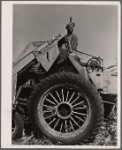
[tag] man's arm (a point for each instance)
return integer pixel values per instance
(74, 42)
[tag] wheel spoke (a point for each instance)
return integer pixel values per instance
(78, 103)
(72, 127)
(50, 101)
(54, 98)
(52, 121)
(61, 127)
(74, 121)
(78, 108)
(75, 99)
(79, 113)
(58, 96)
(62, 95)
(66, 126)
(56, 123)
(71, 97)
(50, 116)
(67, 96)
(79, 118)
(46, 111)
(50, 107)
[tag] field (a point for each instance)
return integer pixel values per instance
(107, 135)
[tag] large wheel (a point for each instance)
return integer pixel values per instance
(17, 126)
(66, 108)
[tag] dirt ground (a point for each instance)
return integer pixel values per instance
(107, 135)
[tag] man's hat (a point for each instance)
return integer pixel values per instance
(70, 24)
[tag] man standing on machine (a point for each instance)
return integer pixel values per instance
(71, 38)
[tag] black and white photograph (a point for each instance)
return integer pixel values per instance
(61, 74)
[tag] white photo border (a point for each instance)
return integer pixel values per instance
(6, 73)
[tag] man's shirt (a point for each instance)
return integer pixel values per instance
(73, 41)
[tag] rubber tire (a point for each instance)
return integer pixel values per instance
(17, 133)
(97, 109)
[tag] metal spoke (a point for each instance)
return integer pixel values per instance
(58, 96)
(75, 99)
(54, 98)
(79, 118)
(52, 121)
(66, 126)
(75, 121)
(48, 106)
(50, 101)
(78, 103)
(46, 111)
(61, 127)
(79, 113)
(72, 127)
(67, 96)
(71, 97)
(78, 108)
(50, 116)
(62, 95)
(56, 123)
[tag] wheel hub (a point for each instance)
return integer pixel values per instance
(64, 110)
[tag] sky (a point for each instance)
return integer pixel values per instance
(95, 26)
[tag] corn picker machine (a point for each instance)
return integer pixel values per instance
(59, 94)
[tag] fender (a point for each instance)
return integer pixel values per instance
(81, 70)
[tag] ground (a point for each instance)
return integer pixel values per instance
(107, 135)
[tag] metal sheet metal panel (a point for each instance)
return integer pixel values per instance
(48, 57)
(105, 81)
(112, 84)
(97, 78)
(42, 46)
(25, 61)
(112, 72)
(32, 46)
(78, 67)
(100, 80)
